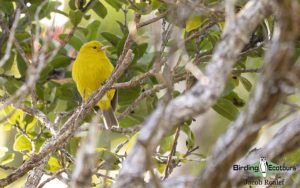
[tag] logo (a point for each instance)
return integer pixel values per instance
(264, 168)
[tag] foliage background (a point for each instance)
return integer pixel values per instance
(173, 39)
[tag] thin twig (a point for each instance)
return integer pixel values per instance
(152, 20)
(40, 116)
(54, 176)
(4, 167)
(168, 168)
(142, 96)
(11, 38)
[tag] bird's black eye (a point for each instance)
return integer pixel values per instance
(95, 47)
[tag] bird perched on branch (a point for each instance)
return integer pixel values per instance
(90, 69)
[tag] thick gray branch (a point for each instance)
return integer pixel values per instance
(268, 93)
(287, 139)
(196, 101)
(86, 159)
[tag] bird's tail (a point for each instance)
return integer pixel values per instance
(110, 118)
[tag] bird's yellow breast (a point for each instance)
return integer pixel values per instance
(89, 71)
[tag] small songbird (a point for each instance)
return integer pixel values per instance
(90, 69)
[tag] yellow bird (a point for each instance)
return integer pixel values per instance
(90, 69)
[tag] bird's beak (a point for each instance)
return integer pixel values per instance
(104, 47)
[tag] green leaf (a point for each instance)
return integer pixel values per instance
(7, 158)
(129, 121)
(100, 9)
(193, 22)
(235, 99)
(9, 63)
(230, 85)
(22, 144)
(155, 4)
(246, 83)
(17, 115)
(109, 160)
(46, 9)
(116, 4)
(53, 164)
(75, 16)
(160, 166)
(131, 142)
(206, 45)
(22, 66)
(41, 140)
(127, 96)
(61, 13)
(3, 151)
(65, 92)
(225, 108)
(293, 157)
(190, 141)
(253, 62)
(72, 5)
(22, 35)
(166, 144)
(142, 8)
(7, 7)
(93, 29)
(73, 145)
(12, 85)
(139, 50)
(28, 123)
(75, 42)
(60, 61)
(113, 39)
(120, 45)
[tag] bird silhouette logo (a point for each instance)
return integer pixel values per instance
(263, 166)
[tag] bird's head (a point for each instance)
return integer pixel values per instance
(93, 47)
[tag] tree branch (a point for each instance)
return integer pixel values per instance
(196, 101)
(268, 94)
(69, 127)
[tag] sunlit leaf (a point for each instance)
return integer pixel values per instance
(15, 115)
(7, 158)
(22, 144)
(193, 22)
(53, 164)
(3, 151)
(28, 123)
(155, 4)
(131, 142)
